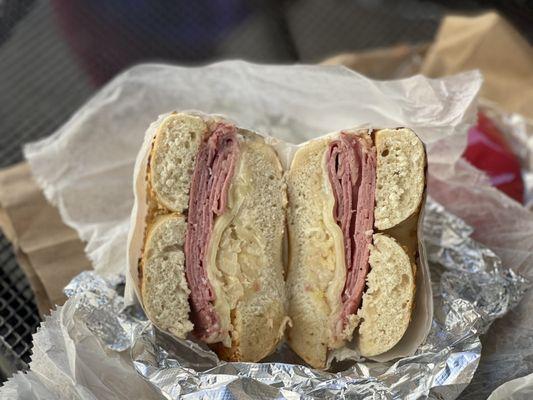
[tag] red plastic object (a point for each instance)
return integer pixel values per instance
(488, 151)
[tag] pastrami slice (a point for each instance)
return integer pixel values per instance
(213, 171)
(364, 221)
(351, 164)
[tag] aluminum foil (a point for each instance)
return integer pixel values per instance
(99, 304)
(471, 289)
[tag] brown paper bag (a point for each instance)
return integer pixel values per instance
(395, 62)
(486, 42)
(489, 43)
(49, 252)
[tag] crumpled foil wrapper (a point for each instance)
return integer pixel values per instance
(471, 289)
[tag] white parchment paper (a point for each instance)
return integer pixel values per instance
(86, 167)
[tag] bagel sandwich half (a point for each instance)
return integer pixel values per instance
(354, 203)
(210, 222)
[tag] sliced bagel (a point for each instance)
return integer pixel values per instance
(246, 265)
(166, 300)
(344, 189)
(400, 179)
(242, 249)
(361, 187)
(389, 297)
(175, 147)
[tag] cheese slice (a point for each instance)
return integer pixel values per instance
(336, 284)
(223, 267)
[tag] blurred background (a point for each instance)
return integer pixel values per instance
(55, 54)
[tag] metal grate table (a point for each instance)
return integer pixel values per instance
(18, 313)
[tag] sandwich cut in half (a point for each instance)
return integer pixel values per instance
(354, 201)
(209, 224)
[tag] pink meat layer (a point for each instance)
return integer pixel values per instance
(351, 163)
(213, 171)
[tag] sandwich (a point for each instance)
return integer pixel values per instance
(354, 203)
(208, 235)
(216, 220)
